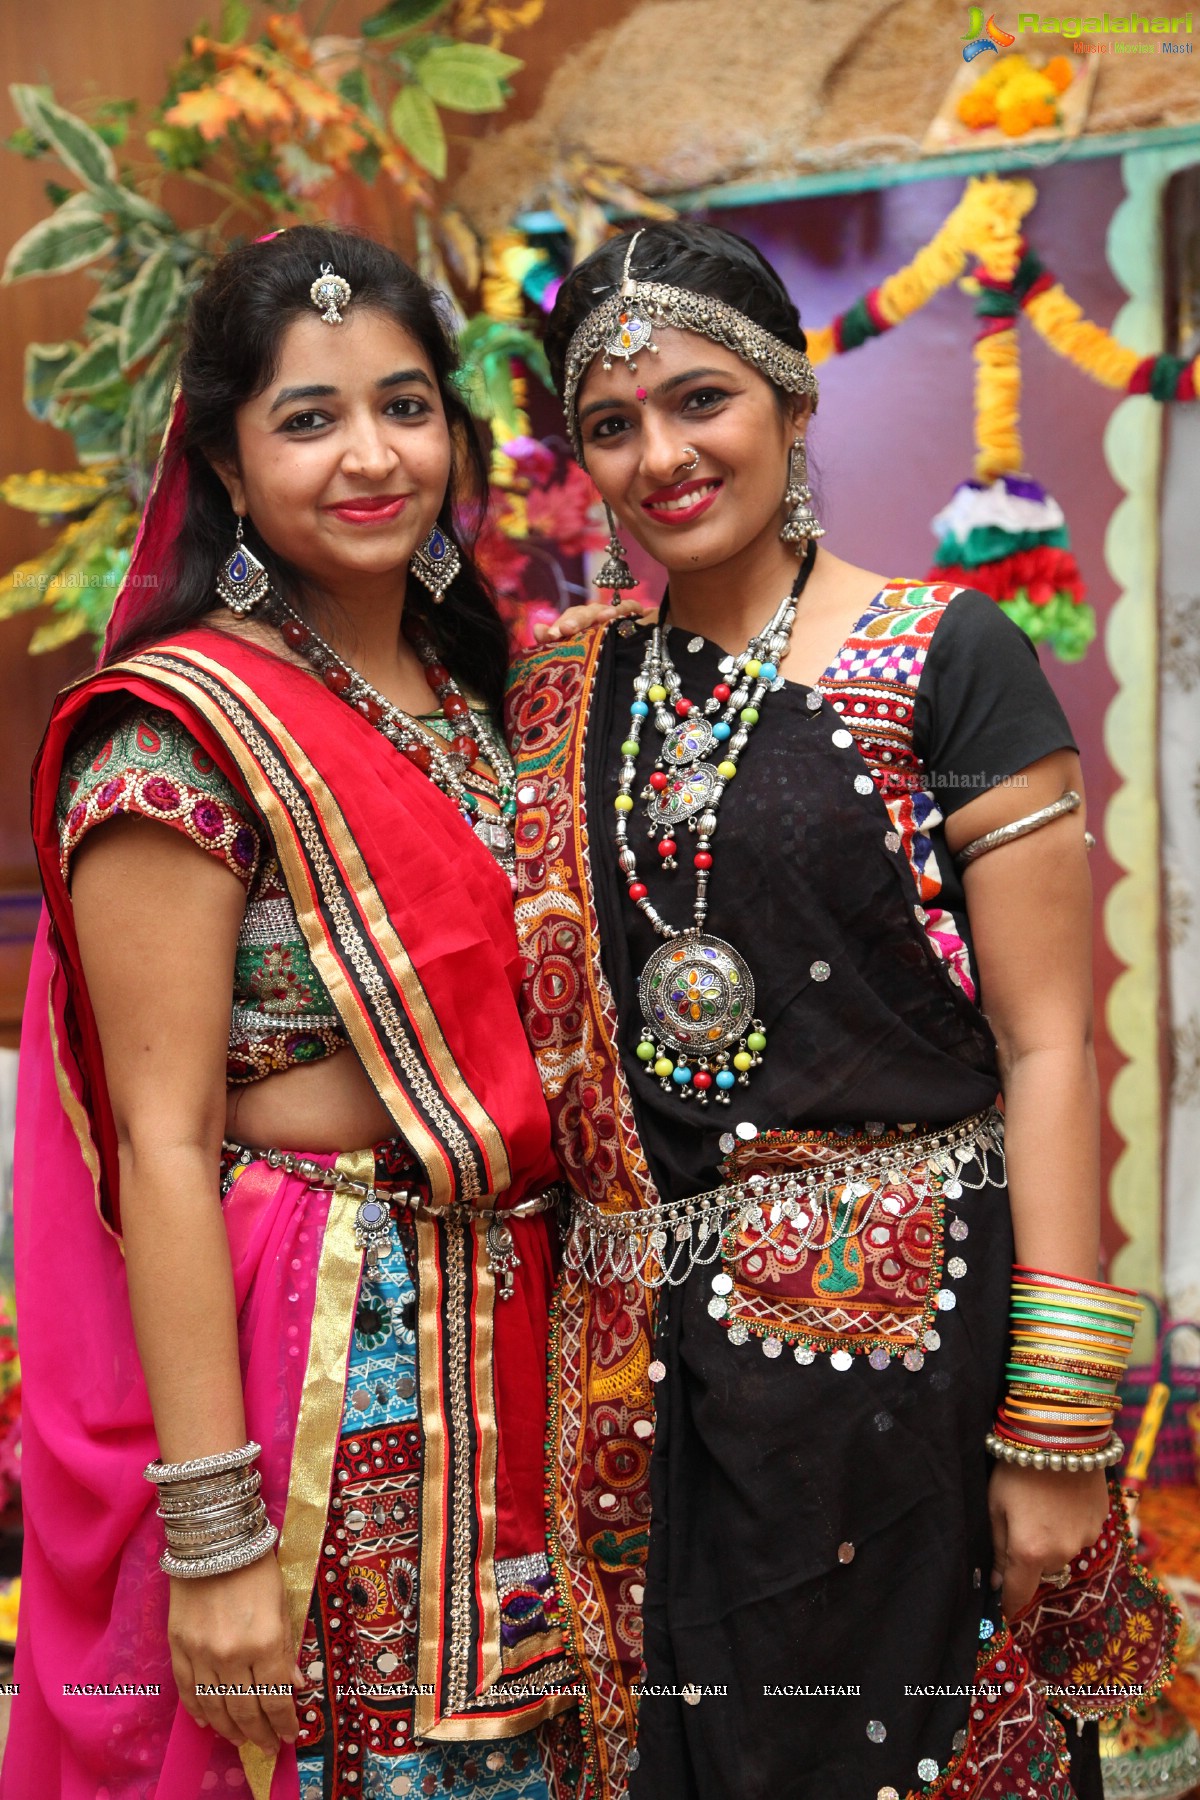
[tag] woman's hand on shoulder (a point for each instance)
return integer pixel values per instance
(231, 1632)
(578, 619)
(1040, 1522)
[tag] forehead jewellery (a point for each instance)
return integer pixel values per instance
(701, 1038)
(329, 292)
(622, 326)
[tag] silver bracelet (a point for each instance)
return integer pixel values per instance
(1005, 834)
(176, 1503)
(223, 1563)
(224, 1460)
(1072, 1462)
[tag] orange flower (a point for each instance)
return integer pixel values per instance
(314, 102)
(336, 143)
(209, 110)
(256, 100)
(287, 36)
(977, 110)
(1060, 73)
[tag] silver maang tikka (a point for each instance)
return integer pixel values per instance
(329, 292)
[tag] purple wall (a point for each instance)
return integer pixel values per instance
(893, 434)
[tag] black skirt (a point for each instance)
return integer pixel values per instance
(820, 1553)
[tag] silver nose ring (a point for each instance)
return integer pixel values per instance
(695, 462)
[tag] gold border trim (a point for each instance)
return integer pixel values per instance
(318, 1423)
(424, 1021)
(435, 1499)
(74, 1109)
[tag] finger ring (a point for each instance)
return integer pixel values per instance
(1058, 1578)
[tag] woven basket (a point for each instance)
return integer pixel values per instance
(1176, 1458)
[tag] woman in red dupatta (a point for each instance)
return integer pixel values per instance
(374, 1318)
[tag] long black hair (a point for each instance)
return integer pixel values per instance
(235, 329)
(683, 253)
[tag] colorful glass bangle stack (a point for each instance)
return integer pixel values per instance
(1070, 1346)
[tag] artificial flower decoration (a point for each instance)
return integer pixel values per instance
(1015, 97)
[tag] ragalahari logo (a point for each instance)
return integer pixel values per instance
(981, 37)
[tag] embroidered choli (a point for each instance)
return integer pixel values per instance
(145, 763)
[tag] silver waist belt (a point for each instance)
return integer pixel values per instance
(816, 1206)
(373, 1221)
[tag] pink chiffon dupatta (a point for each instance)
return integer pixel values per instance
(98, 1715)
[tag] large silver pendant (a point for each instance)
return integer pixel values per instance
(685, 794)
(697, 995)
(688, 743)
(495, 836)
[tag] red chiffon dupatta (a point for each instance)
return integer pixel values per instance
(409, 922)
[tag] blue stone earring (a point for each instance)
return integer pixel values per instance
(436, 563)
(243, 581)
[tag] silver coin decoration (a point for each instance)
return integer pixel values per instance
(952, 1190)
(841, 1360)
(843, 738)
(738, 1333)
(722, 1283)
(772, 1347)
(728, 1142)
(879, 1358)
(932, 1339)
(958, 1230)
(914, 1360)
(718, 1306)
(946, 1300)
(863, 784)
(694, 644)
(956, 1268)
(746, 1131)
(804, 1355)
(876, 1730)
(820, 971)
(927, 1769)
(813, 701)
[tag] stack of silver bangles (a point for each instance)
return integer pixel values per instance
(659, 1245)
(213, 1517)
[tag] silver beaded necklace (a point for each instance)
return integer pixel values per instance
(696, 992)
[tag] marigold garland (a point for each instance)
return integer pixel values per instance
(1031, 574)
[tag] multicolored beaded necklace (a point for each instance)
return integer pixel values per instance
(446, 768)
(696, 992)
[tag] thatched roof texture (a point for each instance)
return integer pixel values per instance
(692, 93)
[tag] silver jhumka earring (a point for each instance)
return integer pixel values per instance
(329, 292)
(436, 563)
(614, 572)
(242, 582)
(801, 522)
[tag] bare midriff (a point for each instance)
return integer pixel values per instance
(326, 1105)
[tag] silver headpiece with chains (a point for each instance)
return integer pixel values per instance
(623, 326)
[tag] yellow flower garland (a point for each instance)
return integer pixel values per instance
(1057, 318)
(986, 226)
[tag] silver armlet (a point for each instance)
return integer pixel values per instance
(1005, 834)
